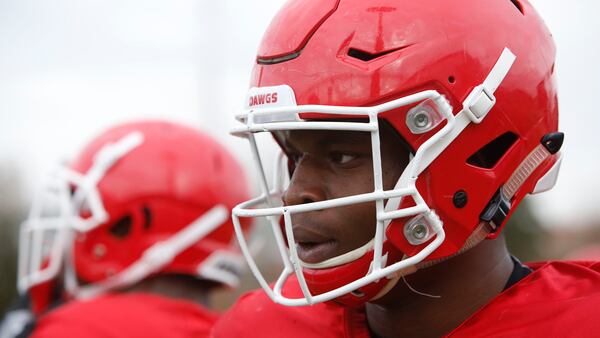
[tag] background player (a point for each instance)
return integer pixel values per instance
(137, 230)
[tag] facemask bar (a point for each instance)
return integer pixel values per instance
(475, 108)
(292, 263)
(37, 266)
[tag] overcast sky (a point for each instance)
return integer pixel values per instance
(69, 69)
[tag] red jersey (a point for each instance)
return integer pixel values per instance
(558, 299)
(129, 315)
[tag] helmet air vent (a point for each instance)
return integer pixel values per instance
(518, 5)
(147, 217)
(276, 60)
(122, 227)
(491, 153)
(366, 56)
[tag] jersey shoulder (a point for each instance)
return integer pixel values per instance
(556, 299)
(126, 315)
(256, 315)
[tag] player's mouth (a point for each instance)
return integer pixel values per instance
(314, 247)
(311, 252)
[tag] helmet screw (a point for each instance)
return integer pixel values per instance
(99, 250)
(421, 120)
(419, 231)
(460, 199)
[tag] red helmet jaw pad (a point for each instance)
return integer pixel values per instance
(323, 280)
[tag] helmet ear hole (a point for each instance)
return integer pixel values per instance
(122, 227)
(491, 153)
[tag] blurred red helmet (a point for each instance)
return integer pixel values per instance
(469, 85)
(146, 198)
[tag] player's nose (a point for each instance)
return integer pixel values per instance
(305, 185)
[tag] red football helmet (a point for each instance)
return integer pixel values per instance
(469, 85)
(142, 199)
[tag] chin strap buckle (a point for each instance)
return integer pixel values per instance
(496, 211)
(481, 99)
(479, 102)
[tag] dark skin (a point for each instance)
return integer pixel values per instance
(333, 164)
(328, 165)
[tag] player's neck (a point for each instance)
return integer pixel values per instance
(177, 287)
(465, 283)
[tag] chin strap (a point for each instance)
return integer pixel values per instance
(341, 259)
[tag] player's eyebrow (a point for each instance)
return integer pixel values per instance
(345, 137)
(326, 139)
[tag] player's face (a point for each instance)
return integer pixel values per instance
(332, 164)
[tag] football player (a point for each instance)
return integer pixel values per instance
(411, 132)
(131, 238)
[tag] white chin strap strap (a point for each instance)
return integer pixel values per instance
(341, 259)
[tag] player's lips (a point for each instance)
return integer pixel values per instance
(311, 252)
(313, 246)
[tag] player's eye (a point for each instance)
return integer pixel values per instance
(342, 158)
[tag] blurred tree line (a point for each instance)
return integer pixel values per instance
(525, 237)
(529, 241)
(12, 212)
